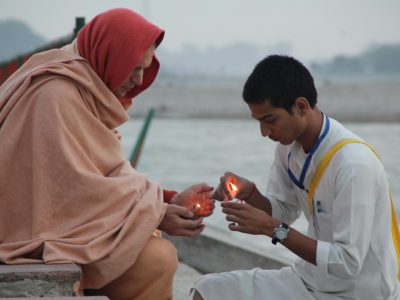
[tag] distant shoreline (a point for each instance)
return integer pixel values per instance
(346, 101)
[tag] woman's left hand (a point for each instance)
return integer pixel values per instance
(196, 195)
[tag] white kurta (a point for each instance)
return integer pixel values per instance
(356, 258)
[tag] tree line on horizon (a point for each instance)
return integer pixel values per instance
(377, 59)
(233, 60)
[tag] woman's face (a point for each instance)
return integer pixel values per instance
(136, 75)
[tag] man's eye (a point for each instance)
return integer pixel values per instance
(270, 121)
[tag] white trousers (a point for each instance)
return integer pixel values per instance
(257, 284)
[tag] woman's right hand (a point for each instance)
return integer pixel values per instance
(178, 221)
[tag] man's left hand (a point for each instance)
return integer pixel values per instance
(248, 219)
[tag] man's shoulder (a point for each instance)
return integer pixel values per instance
(338, 131)
(353, 155)
(357, 157)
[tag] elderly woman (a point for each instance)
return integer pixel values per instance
(67, 192)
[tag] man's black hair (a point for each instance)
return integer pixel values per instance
(280, 80)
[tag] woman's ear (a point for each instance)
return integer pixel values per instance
(301, 105)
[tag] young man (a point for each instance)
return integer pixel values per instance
(348, 251)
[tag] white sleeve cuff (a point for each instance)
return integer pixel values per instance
(276, 209)
(322, 259)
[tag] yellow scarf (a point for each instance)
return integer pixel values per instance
(320, 172)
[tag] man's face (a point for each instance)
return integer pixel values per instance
(136, 76)
(277, 123)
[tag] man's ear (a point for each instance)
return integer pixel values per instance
(301, 105)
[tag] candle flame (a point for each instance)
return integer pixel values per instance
(198, 205)
(233, 189)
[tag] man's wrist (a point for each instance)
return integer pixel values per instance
(252, 190)
(269, 229)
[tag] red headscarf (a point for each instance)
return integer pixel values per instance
(114, 43)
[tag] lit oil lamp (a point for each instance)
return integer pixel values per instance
(198, 211)
(196, 208)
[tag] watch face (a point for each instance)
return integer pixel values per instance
(281, 233)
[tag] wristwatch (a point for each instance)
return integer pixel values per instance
(280, 233)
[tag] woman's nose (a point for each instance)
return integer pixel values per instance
(137, 78)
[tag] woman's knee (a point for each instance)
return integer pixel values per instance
(161, 254)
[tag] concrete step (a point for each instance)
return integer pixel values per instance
(61, 298)
(215, 251)
(38, 280)
(56, 281)
(183, 281)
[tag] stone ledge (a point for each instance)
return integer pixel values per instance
(38, 280)
(213, 251)
(63, 298)
(40, 271)
(184, 278)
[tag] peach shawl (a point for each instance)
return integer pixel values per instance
(66, 191)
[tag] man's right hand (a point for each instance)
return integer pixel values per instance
(224, 192)
(178, 221)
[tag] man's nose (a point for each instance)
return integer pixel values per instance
(265, 131)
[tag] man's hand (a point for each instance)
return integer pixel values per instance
(196, 194)
(248, 219)
(178, 220)
(224, 191)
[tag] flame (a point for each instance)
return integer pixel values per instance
(196, 208)
(233, 189)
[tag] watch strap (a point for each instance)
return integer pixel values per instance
(275, 240)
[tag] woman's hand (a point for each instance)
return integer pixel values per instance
(196, 198)
(178, 221)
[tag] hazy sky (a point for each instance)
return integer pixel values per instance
(314, 29)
